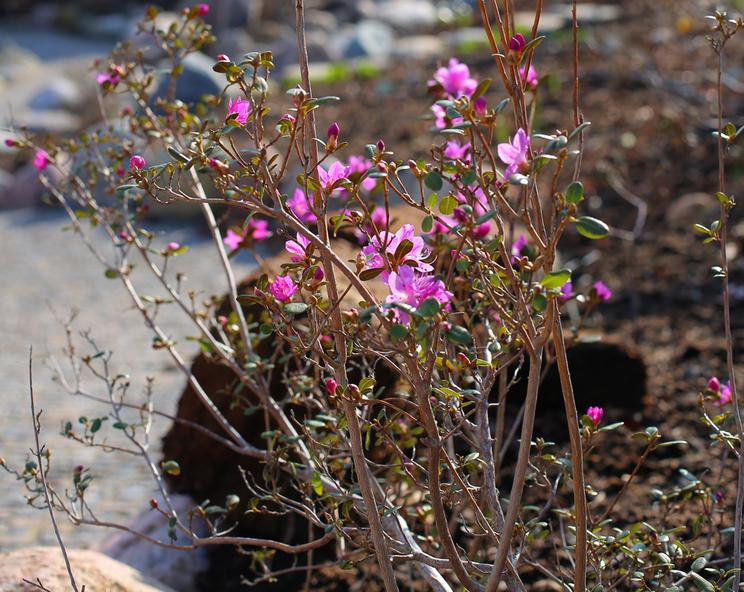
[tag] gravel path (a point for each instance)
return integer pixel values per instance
(45, 274)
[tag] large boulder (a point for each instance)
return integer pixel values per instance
(93, 569)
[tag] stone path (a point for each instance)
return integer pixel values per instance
(42, 270)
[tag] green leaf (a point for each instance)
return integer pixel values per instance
(433, 181)
(427, 224)
(369, 274)
(540, 303)
(367, 384)
(579, 129)
(469, 178)
(429, 307)
(119, 425)
(555, 279)
(398, 332)
(111, 273)
(172, 467)
(448, 205)
(591, 227)
(575, 192)
(459, 335)
(177, 155)
(701, 583)
(95, 425)
(295, 308)
(317, 483)
(481, 89)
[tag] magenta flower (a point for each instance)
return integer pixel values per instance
(724, 391)
(595, 414)
(410, 287)
(517, 42)
(331, 385)
(41, 160)
(241, 108)
(455, 79)
(103, 78)
(174, 246)
(514, 153)
(517, 247)
(297, 248)
(479, 106)
(566, 292)
(531, 76)
(283, 288)
(360, 165)
(603, 292)
(335, 172)
(9, 142)
(300, 206)
(455, 151)
(373, 258)
(441, 120)
(202, 9)
(232, 239)
(379, 218)
(137, 162)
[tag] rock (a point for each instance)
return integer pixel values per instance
(177, 569)
(59, 94)
(403, 15)
(369, 39)
(93, 569)
(16, 61)
(418, 47)
(321, 20)
(23, 189)
(198, 79)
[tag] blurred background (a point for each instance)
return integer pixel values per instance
(650, 169)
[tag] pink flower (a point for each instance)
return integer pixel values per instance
(41, 160)
(255, 230)
(566, 292)
(241, 108)
(137, 162)
(530, 78)
(232, 239)
(595, 414)
(517, 42)
(724, 391)
(514, 153)
(300, 206)
(297, 248)
(517, 247)
(441, 120)
(103, 78)
(174, 246)
(283, 288)
(335, 172)
(410, 287)
(603, 292)
(379, 218)
(455, 151)
(202, 9)
(223, 57)
(331, 385)
(455, 79)
(389, 243)
(360, 165)
(479, 106)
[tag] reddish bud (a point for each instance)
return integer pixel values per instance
(318, 274)
(333, 131)
(223, 58)
(137, 162)
(714, 384)
(331, 385)
(381, 145)
(154, 504)
(9, 143)
(202, 9)
(517, 43)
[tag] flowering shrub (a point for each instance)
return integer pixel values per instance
(454, 302)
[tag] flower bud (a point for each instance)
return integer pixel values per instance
(331, 385)
(154, 504)
(479, 106)
(202, 9)
(137, 162)
(318, 274)
(173, 246)
(333, 131)
(223, 57)
(9, 143)
(714, 384)
(381, 145)
(517, 43)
